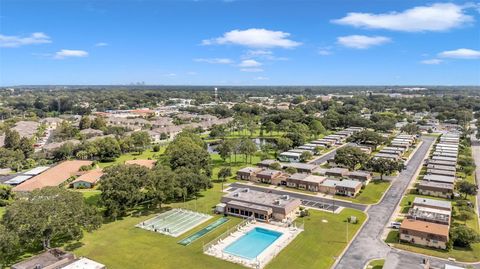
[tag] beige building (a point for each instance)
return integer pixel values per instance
(263, 206)
(424, 233)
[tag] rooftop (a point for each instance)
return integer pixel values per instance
(53, 176)
(427, 202)
(259, 197)
(91, 176)
(425, 227)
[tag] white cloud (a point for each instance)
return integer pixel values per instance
(262, 54)
(251, 70)
(254, 38)
(461, 54)
(214, 60)
(361, 41)
(261, 78)
(432, 61)
(17, 41)
(64, 53)
(325, 51)
(170, 75)
(250, 63)
(101, 44)
(435, 17)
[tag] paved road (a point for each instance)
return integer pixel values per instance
(398, 259)
(304, 197)
(476, 157)
(368, 245)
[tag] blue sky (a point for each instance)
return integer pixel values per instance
(328, 42)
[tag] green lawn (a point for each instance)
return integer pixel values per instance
(132, 156)
(372, 193)
(321, 242)
(91, 196)
(376, 264)
(315, 247)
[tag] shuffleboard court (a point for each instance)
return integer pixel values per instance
(212, 226)
(174, 222)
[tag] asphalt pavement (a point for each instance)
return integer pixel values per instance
(368, 243)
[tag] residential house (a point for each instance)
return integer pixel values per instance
(424, 233)
(87, 180)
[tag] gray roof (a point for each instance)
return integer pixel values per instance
(259, 197)
(427, 202)
(438, 178)
(424, 183)
(17, 180)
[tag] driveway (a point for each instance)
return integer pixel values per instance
(368, 245)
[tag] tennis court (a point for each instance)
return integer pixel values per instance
(174, 222)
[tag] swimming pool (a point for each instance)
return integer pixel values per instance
(253, 243)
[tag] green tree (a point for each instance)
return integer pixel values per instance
(247, 148)
(50, 215)
(160, 186)
(26, 146)
(467, 188)
(367, 137)
(384, 166)
(225, 149)
(99, 123)
(350, 157)
(85, 123)
(108, 149)
(410, 129)
(188, 150)
(316, 128)
(291, 170)
(284, 144)
(10, 248)
(141, 140)
(224, 173)
(123, 188)
(275, 166)
(305, 156)
(463, 236)
(270, 127)
(12, 139)
(64, 152)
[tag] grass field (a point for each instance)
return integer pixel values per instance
(316, 247)
(372, 193)
(132, 156)
(376, 264)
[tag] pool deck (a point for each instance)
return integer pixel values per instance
(288, 234)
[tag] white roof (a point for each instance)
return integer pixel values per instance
(37, 170)
(17, 180)
(84, 263)
(290, 154)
